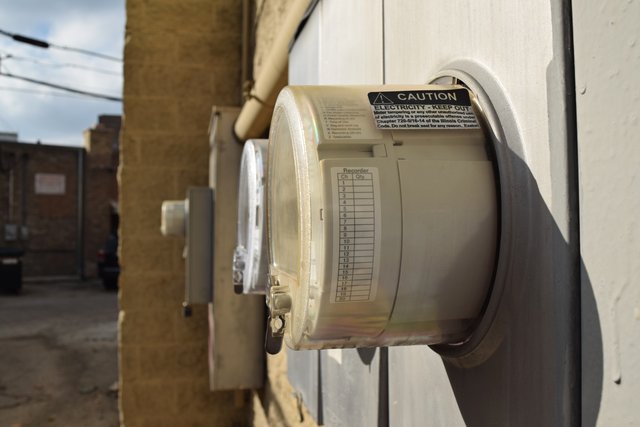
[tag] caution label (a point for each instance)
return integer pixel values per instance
(423, 109)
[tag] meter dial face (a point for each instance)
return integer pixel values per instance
(250, 256)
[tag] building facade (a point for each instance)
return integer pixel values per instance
(59, 203)
(559, 348)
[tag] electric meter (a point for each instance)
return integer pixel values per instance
(382, 215)
(250, 257)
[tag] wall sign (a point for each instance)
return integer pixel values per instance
(50, 183)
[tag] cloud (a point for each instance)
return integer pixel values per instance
(88, 24)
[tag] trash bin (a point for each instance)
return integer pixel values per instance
(10, 269)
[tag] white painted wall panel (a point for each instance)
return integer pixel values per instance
(350, 42)
(512, 38)
(340, 44)
(303, 369)
(304, 57)
(516, 50)
(411, 401)
(607, 61)
(351, 388)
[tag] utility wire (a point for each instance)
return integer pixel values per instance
(65, 88)
(7, 55)
(46, 45)
(3, 65)
(45, 92)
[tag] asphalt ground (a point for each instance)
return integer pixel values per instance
(58, 356)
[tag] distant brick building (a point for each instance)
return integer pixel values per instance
(58, 203)
(39, 206)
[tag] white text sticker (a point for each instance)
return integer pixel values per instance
(344, 119)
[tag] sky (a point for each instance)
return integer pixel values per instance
(39, 113)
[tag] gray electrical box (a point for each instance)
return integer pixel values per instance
(193, 219)
(206, 218)
(199, 246)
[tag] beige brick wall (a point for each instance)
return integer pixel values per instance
(181, 57)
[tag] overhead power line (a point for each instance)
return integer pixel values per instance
(46, 92)
(11, 56)
(65, 88)
(46, 45)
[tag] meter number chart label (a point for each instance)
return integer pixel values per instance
(356, 235)
(423, 109)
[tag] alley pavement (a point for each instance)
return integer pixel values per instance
(58, 356)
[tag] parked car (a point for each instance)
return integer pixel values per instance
(108, 264)
(10, 269)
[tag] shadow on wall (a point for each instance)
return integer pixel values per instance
(366, 355)
(535, 375)
(592, 372)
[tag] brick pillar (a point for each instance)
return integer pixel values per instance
(101, 190)
(181, 57)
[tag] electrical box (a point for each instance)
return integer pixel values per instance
(193, 218)
(250, 265)
(383, 215)
(235, 323)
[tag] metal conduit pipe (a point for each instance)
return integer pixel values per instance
(256, 112)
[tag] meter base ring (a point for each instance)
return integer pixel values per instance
(488, 332)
